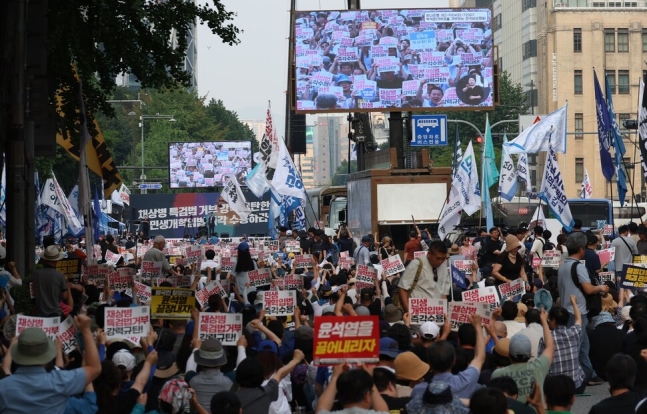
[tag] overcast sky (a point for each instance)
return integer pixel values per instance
(249, 74)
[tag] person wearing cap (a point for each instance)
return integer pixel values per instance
(430, 333)
(576, 245)
(567, 345)
(361, 253)
(155, 254)
(510, 265)
(210, 356)
(426, 277)
(31, 388)
(355, 391)
(345, 82)
(533, 330)
(523, 370)
(442, 357)
(50, 285)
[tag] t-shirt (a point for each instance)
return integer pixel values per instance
(538, 247)
(524, 373)
(620, 404)
(606, 341)
(48, 285)
(508, 269)
(567, 288)
(156, 255)
(124, 402)
(397, 405)
(257, 400)
(410, 247)
(632, 347)
(592, 262)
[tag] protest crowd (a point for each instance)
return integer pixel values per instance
(494, 324)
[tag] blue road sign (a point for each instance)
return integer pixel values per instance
(429, 130)
(150, 186)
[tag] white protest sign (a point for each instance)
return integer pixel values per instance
(279, 303)
(48, 325)
(151, 269)
(486, 294)
(464, 266)
(66, 334)
(292, 246)
(427, 310)
(227, 264)
(118, 282)
(606, 277)
(193, 254)
(226, 327)
(418, 254)
(410, 88)
(127, 322)
(551, 258)
(293, 282)
(365, 277)
(512, 289)
(303, 261)
(143, 292)
(461, 313)
(112, 257)
(260, 277)
(392, 265)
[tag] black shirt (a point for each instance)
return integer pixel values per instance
(606, 341)
(490, 247)
(345, 245)
(508, 269)
(620, 404)
(396, 404)
(632, 347)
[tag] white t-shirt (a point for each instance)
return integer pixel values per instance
(538, 246)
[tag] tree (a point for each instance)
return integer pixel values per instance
(341, 173)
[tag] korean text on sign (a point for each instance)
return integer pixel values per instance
(392, 265)
(279, 303)
(464, 266)
(293, 282)
(634, 276)
(365, 277)
(144, 292)
(127, 322)
(607, 277)
(48, 325)
(151, 270)
(226, 327)
(486, 294)
(427, 310)
(303, 261)
(551, 258)
(461, 313)
(66, 334)
(352, 339)
(69, 267)
(172, 303)
(512, 289)
(213, 288)
(260, 277)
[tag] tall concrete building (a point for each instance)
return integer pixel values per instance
(330, 141)
(306, 162)
(256, 125)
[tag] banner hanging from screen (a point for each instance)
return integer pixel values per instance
(371, 60)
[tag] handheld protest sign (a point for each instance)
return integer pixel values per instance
(226, 327)
(427, 310)
(47, 325)
(293, 282)
(303, 261)
(279, 303)
(365, 277)
(127, 322)
(486, 295)
(461, 313)
(144, 292)
(172, 303)
(607, 277)
(392, 265)
(464, 266)
(67, 335)
(512, 289)
(151, 270)
(551, 258)
(260, 277)
(213, 288)
(633, 276)
(354, 339)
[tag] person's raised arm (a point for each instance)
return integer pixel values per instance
(327, 398)
(144, 374)
(257, 324)
(479, 349)
(283, 372)
(549, 341)
(576, 312)
(93, 363)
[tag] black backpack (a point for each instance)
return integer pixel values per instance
(548, 246)
(594, 301)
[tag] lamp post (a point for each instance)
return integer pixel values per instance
(170, 118)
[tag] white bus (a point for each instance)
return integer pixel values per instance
(623, 214)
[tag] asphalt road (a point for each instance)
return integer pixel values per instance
(584, 403)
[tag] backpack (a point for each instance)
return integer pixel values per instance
(594, 301)
(548, 246)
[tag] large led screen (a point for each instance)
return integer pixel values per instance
(204, 164)
(372, 60)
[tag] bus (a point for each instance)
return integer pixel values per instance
(323, 207)
(592, 211)
(623, 214)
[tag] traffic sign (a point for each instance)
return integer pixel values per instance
(150, 186)
(429, 130)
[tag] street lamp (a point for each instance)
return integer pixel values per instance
(170, 118)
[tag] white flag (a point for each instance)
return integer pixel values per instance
(451, 214)
(552, 128)
(522, 171)
(234, 196)
(507, 177)
(538, 218)
(124, 194)
(54, 197)
(586, 191)
(257, 181)
(467, 182)
(552, 191)
(115, 197)
(287, 181)
(73, 199)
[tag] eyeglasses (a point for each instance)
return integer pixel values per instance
(435, 273)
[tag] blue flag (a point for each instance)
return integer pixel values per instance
(604, 123)
(618, 144)
(458, 278)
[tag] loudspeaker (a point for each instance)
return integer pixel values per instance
(297, 133)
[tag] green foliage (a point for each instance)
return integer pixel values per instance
(341, 173)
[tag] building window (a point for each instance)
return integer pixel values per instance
(577, 40)
(644, 38)
(577, 82)
(529, 49)
(528, 4)
(609, 40)
(579, 126)
(610, 76)
(579, 170)
(496, 23)
(622, 118)
(623, 40)
(623, 82)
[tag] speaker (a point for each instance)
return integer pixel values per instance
(297, 133)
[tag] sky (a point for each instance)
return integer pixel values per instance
(246, 76)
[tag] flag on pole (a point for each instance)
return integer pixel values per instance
(91, 221)
(615, 138)
(489, 161)
(450, 217)
(96, 218)
(552, 191)
(458, 278)
(604, 124)
(537, 137)
(73, 199)
(286, 180)
(508, 177)
(458, 153)
(467, 181)
(642, 125)
(233, 195)
(586, 190)
(522, 171)
(538, 218)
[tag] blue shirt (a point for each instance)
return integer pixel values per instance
(84, 405)
(50, 395)
(462, 385)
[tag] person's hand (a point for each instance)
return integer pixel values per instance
(194, 400)
(573, 300)
(496, 314)
(142, 399)
(534, 398)
(604, 288)
(152, 358)
(82, 323)
(196, 343)
(102, 337)
(643, 354)
(343, 290)
(338, 369)
(242, 341)
(256, 324)
(544, 316)
(151, 338)
(11, 266)
(477, 321)
(406, 318)
(298, 355)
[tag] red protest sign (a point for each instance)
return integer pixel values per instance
(365, 277)
(392, 265)
(226, 327)
(427, 310)
(353, 339)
